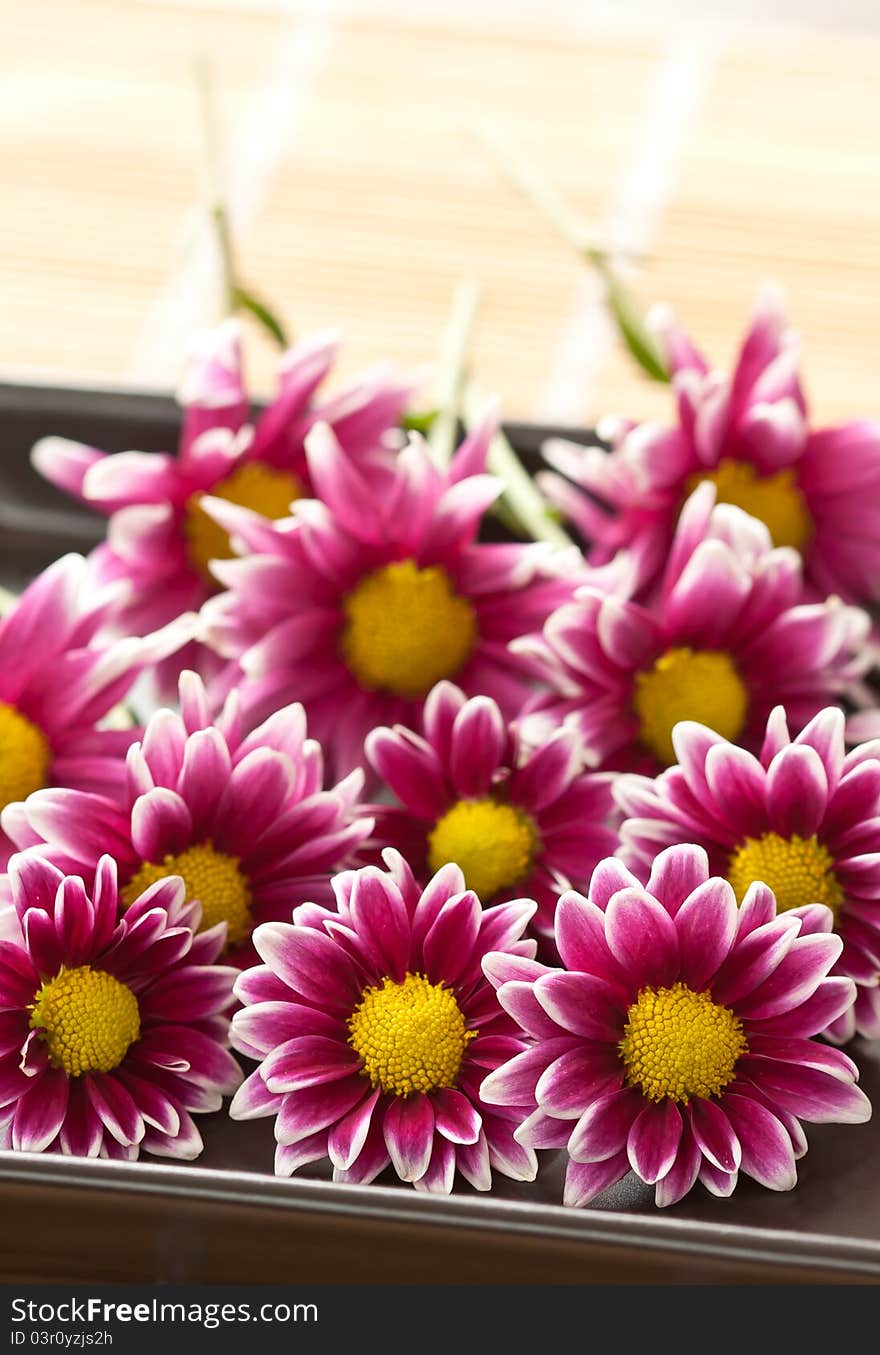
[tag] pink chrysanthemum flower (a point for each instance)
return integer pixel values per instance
(375, 1028)
(159, 536)
(518, 824)
(243, 820)
(727, 640)
(113, 1030)
(677, 1040)
(377, 590)
(817, 491)
(804, 818)
(58, 685)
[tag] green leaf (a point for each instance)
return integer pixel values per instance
(247, 301)
(630, 322)
(419, 421)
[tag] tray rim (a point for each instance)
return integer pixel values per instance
(776, 1248)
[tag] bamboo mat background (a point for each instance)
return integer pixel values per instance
(729, 153)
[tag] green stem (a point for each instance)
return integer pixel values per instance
(453, 371)
(574, 230)
(522, 506)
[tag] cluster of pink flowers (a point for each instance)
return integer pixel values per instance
(449, 852)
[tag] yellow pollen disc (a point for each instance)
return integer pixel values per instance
(678, 1043)
(24, 756)
(405, 629)
(251, 485)
(688, 684)
(411, 1035)
(493, 843)
(799, 870)
(775, 499)
(88, 1019)
(209, 876)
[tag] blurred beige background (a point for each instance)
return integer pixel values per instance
(729, 149)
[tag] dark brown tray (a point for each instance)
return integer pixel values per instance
(227, 1219)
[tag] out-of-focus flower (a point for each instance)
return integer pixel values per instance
(517, 823)
(375, 1028)
(816, 491)
(244, 821)
(113, 1030)
(376, 590)
(159, 536)
(58, 685)
(804, 818)
(728, 639)
(677, 1041)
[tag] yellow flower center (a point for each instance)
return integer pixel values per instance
(209, 876)
(252, 485)
(493, 843)
(405, 629)
(24, 756)
(411, 1035)
(688, 684)
(88, 1019)
(678, 1043)
(775, 499)
(799, 870)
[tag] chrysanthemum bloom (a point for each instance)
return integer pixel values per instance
(244, 821)
(804, 818)
(374, 592)
(677, 1040)
(375, 1028)
(159, 537)
(727, 640)
(113, 1030)
(518, 824)
(817, 491)
(58, 684)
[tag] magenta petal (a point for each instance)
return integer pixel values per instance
(478, 738)
(767, 1153)
(408, 1127)
(82, 1132)
(305, 1112)
(580, 938)
(682, 1174)
(347, 1138)
(797, 791)
(609, 877)
(809, 1093)
(439, 1175)
(798, 974)
(642, 938)
(714, 1135)
(676, 873)
(40, 1112)
(585, 1180)
(603, 1129)
(513, 1084)
(116, 1108)
(381, 921)
(472, 1160)
(449, 944)
(308, 1062)
(582, 1004)
(309, 962)
(706, 926)
(576, 1077)
(456, 1117)
(653, 1140)
(161, 825)
(253, 1099)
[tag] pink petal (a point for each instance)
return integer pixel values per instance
(714, 1135)
(408, 1127)
(642, 938)
(653, 1140)
(585, 1180)
(603, 1129)
(767, 1154)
